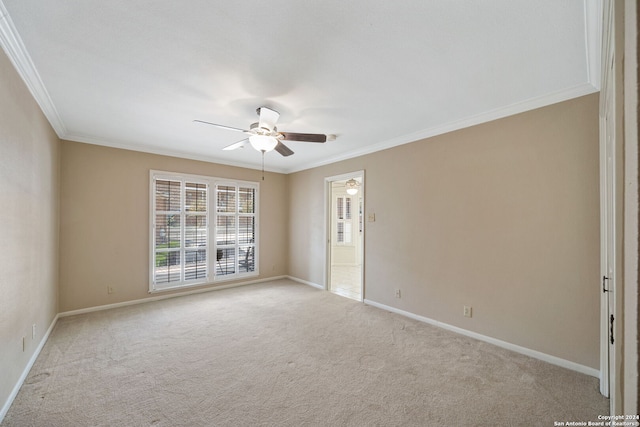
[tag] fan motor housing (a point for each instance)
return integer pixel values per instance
(255, 127)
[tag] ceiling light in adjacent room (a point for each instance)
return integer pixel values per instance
(352, 186)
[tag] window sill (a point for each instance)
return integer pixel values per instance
(216, 280)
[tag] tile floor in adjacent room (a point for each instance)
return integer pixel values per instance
(345, 281)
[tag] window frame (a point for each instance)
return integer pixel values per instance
(237, 215)
(211, 220)
(344, 218)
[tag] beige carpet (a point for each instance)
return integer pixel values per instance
(285, 354)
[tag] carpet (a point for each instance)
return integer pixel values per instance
(286, 354)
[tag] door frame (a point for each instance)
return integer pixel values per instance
(611, 204)
(630, 402)
(607, 208)
(328, 181)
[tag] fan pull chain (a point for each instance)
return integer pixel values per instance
(262, 164)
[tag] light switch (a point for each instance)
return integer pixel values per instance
(372, 217)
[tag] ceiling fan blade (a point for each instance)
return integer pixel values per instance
(304, 137)
(236, 145)
(222, 126)
(268, 118)
(283, 149)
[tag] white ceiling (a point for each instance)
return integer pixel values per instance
(134, 74)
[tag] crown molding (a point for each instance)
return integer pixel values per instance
(166, 152)
(593, 14)
(488, 116)
(13, 46)
(16, 51)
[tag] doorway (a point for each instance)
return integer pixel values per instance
(345, 235)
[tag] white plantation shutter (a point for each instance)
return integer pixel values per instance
(236, 223)
(179, 230)
(198, 236)
(167, 232)
(343, 223)
(196, 231)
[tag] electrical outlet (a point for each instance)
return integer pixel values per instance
(467, 311)
(24, 345)
(398, 294)
(33, 332)
(109, 290)
(372, 217)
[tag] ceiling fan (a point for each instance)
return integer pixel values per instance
(264, 136)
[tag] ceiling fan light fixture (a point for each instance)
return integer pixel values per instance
(352, 186)
(264, 135)
(263, 142)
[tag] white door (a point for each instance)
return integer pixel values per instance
(608, 270)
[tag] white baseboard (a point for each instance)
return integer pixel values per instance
(25, 372)
(518, 349)
(304, 282)
(167, 296)
(16, 388)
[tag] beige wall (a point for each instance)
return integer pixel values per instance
(105, 215)
(29, 170)
(503, 217)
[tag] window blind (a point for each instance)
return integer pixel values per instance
(197, 236)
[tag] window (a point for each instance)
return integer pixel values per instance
(189, 224)
(343, 224)
(235, 229)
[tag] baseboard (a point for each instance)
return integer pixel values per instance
(167, 296)
(27, 368)
(16, 388)
(518, 349)
(304, 282)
